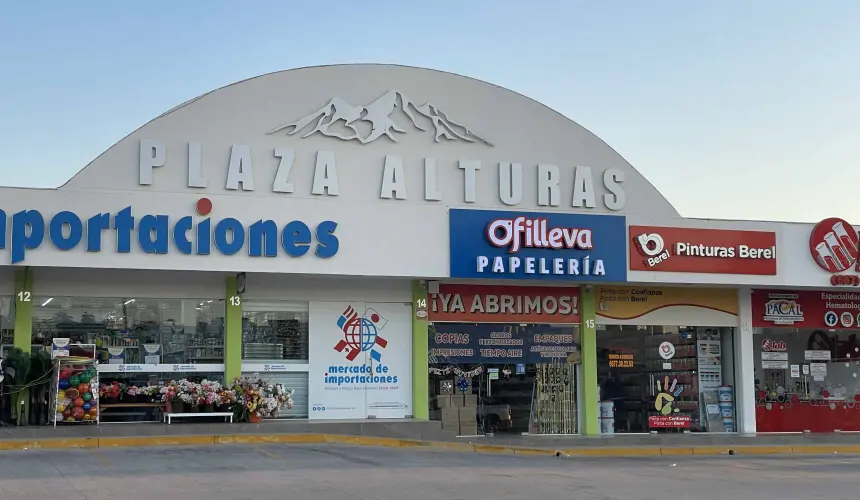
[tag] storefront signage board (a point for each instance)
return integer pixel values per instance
(360, 362)
(832, 309)
(458, 343)
(161, 368)
(494, 244)
(504, 304)
(631, 302)
(699, 250)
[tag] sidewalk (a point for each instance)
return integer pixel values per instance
(412, 434)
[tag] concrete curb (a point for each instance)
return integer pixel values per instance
(582, 451)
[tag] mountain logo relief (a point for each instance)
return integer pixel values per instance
(341, 119)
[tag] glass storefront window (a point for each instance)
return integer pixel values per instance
(7, 323)
(275, 331)
(275, 340)
(130, 330)
(807, 380)
(665, 379)
(504, 378)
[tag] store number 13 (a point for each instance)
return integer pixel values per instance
(235, 300)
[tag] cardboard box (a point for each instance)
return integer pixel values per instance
(467, 414)
(444, 401)
(464, 400)
(447, 386)
(468, 428)
(451, 414)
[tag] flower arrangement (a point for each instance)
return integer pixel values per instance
(259, 398)
(110, 391)
(133, 391)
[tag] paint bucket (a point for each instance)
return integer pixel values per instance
(727, 410)
(729, 424)
(725, 394)
(607, 425)
(607, 409)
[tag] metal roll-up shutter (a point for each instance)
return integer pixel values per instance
(298, 383)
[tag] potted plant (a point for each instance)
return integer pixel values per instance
(226, 400)
(132, 394)
(109, 393)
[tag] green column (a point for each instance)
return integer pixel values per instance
(232, 331)
(420, 360)
(23, 338)
(590, 425)
(23, 309)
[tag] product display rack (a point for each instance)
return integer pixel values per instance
(75, 403)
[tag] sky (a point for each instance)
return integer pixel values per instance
(735, 109)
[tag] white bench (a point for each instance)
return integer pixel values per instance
(228, 415)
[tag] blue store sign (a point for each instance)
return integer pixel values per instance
(469, 343)
(537, 246)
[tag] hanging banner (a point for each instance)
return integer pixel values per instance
(630, 302)
(457, 343)
(505, 304)
(805, 309)
(360, 362)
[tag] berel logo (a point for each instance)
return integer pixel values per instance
(768, 345)
(652, 246)
(520, 232)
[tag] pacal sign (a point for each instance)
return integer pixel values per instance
(537, 246)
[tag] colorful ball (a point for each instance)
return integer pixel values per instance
(87, 396)
(86, 406)
(74, 380)
(61, 408)
(59, 417)
(67, 413)
(78, 402)
(64, 384)
(94, 411)
(83, 387)
(78, 413)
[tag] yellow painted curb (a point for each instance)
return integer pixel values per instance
(535, 451)
(634, 451)
(125, 442)
(270, 438)
(612, 452)
(492, 448)
(676, 450)
(762, 450)
(824, 449)
(711, 450)
(48, 444)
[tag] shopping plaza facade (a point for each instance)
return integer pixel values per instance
(500, 258)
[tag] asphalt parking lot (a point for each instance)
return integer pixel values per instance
(331, 472)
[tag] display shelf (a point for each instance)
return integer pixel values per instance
(74, 391)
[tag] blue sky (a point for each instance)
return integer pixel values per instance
(733, 109)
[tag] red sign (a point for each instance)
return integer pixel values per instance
(768, 345)
(669, 421)
(695, 250)
(805, 309)
(505, 304)
(834, 246)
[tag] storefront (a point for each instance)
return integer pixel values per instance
(387, 258)
(665, 359)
